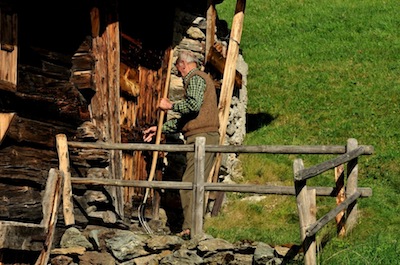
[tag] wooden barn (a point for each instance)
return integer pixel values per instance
(94, 71)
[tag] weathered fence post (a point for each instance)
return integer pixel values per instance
(63, 156)
(198, 186)
(305, 215)
(351, 188)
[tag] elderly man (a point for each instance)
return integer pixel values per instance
(199, 118)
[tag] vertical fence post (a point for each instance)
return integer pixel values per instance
(305, 215)
(63, 157)
(351, 188)
(198, 186)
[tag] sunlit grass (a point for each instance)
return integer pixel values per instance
(324, 71)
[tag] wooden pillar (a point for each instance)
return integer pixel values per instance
(351, 187)
(198, 187)
(305, 215)
(105, 104)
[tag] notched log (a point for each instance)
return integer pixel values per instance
(36, 133)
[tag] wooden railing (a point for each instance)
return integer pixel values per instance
(305, 195)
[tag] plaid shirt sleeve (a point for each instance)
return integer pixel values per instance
(192, 102)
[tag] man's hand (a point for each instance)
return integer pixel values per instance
(165, 104)
(149, 133)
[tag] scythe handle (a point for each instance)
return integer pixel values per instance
(160, 123)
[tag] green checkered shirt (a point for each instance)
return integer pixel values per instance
(191, 103)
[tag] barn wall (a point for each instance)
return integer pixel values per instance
(95, 79)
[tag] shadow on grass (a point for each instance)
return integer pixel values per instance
(255, 121)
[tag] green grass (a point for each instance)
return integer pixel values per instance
(325, 71)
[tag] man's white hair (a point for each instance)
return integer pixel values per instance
(187, 56)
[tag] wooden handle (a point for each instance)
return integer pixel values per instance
(160, 123)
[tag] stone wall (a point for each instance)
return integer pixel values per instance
(101, 245)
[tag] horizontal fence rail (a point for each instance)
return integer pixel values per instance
(264, 149)
(245, 188)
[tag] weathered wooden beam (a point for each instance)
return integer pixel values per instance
(21, 236)
(59, 102)
(23, 164)
(24, 130)
(15, 199)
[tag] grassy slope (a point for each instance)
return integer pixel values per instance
(324, 71)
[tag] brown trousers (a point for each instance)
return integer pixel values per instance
(212, 138)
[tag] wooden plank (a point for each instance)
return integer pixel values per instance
(51, 201)
(51, 197)
(63, 156)
(5, 121)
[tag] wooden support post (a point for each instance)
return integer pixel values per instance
(51, 202)
(351, 188)
(63, 156)
(198, 186)
(228, 81)
(303, 207)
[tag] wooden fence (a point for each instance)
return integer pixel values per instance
(306, 202)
